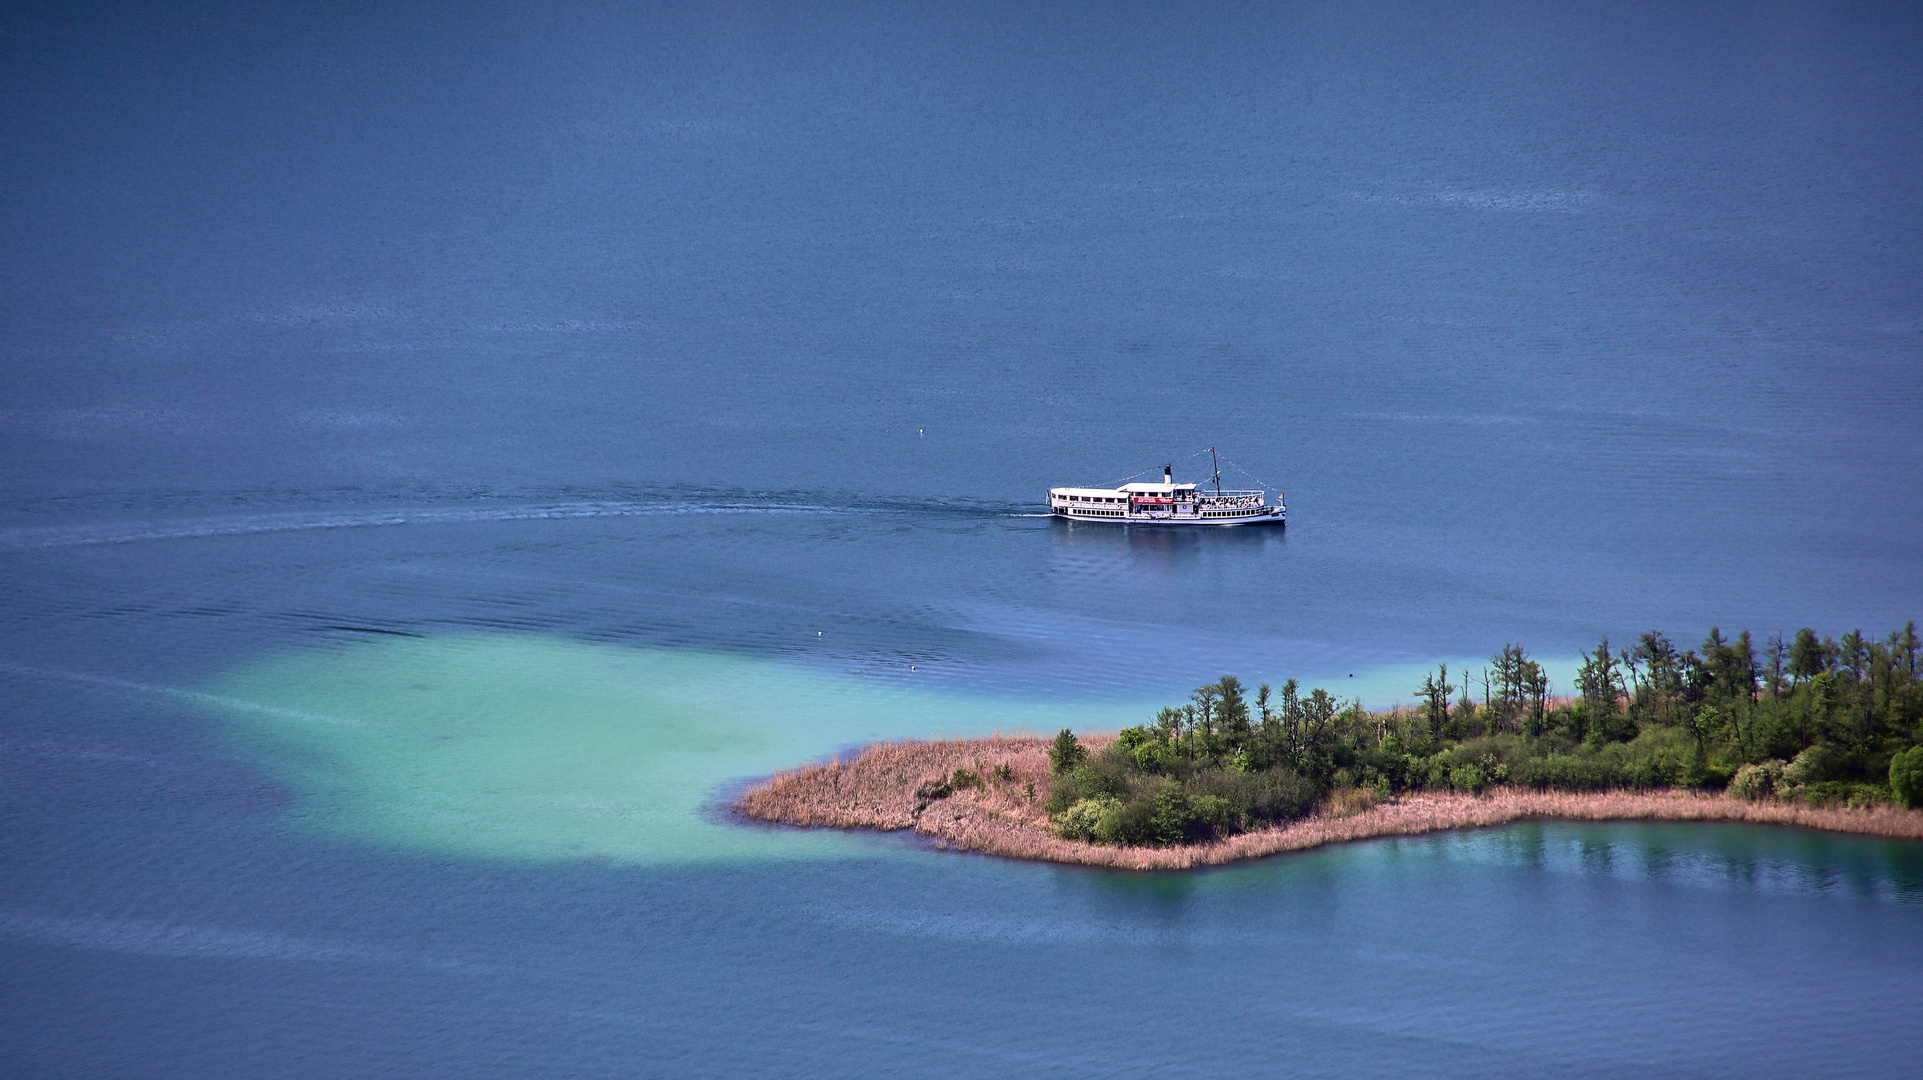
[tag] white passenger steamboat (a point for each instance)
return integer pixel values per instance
(1169, 503)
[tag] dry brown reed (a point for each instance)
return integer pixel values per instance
(879, 790)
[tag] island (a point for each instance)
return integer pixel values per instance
(1816, 732)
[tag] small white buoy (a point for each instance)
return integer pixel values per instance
(817, 633)
(911, 667)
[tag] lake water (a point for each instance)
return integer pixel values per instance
(446, 455)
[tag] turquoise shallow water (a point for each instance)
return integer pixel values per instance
(530, 748)
(445, 454)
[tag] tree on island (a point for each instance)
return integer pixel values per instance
(1906, 776)
(1600, 682)
(1435, 691)
(1066, 753)
(1819, 721)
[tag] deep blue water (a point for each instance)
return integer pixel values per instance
(393, 400)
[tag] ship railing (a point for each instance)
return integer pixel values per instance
(1210, 495)
(1230, 498)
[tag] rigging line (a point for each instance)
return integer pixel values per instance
(1126, 479)
(1254, 479)
(1247, 473)
(1192, 457)
(1150, 469)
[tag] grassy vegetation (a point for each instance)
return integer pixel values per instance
(1816, 721)
(909, 785)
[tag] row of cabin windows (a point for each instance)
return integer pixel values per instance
(1205, 513)
(1180, 497)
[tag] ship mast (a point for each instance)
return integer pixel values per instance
(1218, 472)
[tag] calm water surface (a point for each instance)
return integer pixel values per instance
(445, 456)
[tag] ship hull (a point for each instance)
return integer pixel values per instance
(1272, 515)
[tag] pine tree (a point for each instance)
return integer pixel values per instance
(1066, 753)
(1435, 691)
(1601, 685)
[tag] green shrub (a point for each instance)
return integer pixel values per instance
(1254, 798)
(1845, 793)
(1566, 772)
(1078, 822)
(1064, 795)
(1281, 795)
(1468, 778)
(1212, 814)
(1661, 769)
(1164, 815)
(1103, 777)
(1757, 781)
(1132, 822)
(1906, 777)
(1154, 756)
(1002, 773)
(1816, 764)
(1657, 758)
(1174, 820)
(965, 778)
(1703, 773)
(1094, 779)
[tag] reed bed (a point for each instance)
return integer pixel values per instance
(879, 789)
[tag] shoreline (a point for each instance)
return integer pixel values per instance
(891, 786)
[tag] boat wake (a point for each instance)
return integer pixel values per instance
(196, 696)
(18, 539)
